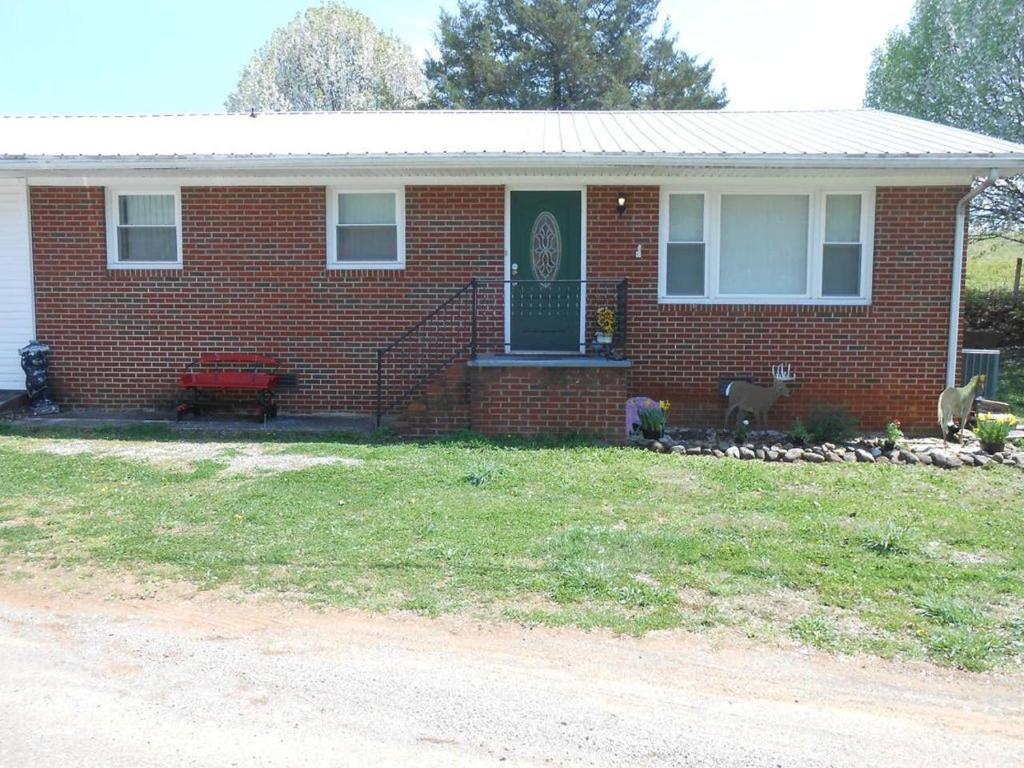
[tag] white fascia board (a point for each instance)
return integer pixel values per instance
(977, 164)
(521, 179)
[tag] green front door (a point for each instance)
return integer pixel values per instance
(544, 256)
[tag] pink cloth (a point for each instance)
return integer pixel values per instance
(633, 407)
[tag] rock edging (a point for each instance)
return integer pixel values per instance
(767, 448)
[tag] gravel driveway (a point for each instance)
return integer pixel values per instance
(177, 678)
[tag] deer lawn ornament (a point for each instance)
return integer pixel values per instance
(956, 403)
(757, 400)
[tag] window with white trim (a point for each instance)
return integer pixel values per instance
(842, 247)
(685, 248)
(765, 246)
(366, 229)
(144, 228)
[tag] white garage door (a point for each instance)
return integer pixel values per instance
(16, 318)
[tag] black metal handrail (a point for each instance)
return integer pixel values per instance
(382, 407)
(470, 345)
(429, 316)
(621, 287)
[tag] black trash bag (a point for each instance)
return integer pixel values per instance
(35, 363)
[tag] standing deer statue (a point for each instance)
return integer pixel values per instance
(757, 400)
(956, 403)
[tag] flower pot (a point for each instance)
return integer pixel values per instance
(991, 448)
(653, 434)
(603, 338)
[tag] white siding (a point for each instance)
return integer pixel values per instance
(17, 325)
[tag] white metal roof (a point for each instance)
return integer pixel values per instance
(841, 138)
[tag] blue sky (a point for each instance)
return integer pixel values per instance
(112, 56)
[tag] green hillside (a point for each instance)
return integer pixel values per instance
(991, 263)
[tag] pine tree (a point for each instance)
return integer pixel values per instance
(564, 54)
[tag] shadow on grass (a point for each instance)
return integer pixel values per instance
(152, 432)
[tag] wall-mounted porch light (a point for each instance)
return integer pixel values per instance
(620, 203)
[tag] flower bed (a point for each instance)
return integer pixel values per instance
(870, 449)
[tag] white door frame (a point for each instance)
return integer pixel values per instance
(542, 187)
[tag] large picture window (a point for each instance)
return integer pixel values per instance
(765, 246)
(143, 229)
(365, 229)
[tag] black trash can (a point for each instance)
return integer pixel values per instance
(35, 362)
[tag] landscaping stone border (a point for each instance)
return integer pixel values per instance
(777, 447)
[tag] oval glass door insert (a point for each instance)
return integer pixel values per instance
(545, 247)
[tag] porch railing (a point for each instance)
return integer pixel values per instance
(473, 321)
(533, 302)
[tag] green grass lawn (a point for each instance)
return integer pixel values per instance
(991, 264)
(897, 561)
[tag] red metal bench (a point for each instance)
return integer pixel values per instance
(224, 372)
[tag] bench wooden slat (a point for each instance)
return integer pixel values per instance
(220, 358)
(229, 380)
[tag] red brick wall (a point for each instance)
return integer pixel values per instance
(254, 279)
(883, 361)
(440, 407)
(540, 401)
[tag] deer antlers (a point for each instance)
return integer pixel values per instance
(782, 372)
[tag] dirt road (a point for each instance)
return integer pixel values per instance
(178, 678)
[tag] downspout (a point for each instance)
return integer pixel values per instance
(958, 273)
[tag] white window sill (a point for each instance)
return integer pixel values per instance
(365, 265)
(767, 301)
(144, 265)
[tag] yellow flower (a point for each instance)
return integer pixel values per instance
(1006, 418)
(664, 405)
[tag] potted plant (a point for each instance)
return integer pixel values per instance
(993, 429)
(606, 324)
(652, 420)
(893, 435)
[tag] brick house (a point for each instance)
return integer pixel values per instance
(445, 268)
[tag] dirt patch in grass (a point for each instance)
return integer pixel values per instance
(672, 478)
(763, 614)
(526, 605)
(937, 550)
(255, 459)
(775, 606)
(238, 458)
(751, 521)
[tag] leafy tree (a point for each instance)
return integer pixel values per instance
(961, 63)
(329, 58)
(564, 54)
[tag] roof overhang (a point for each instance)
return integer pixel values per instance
(499, 142)
(472, 164)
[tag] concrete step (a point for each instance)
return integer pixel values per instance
(12, 399)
